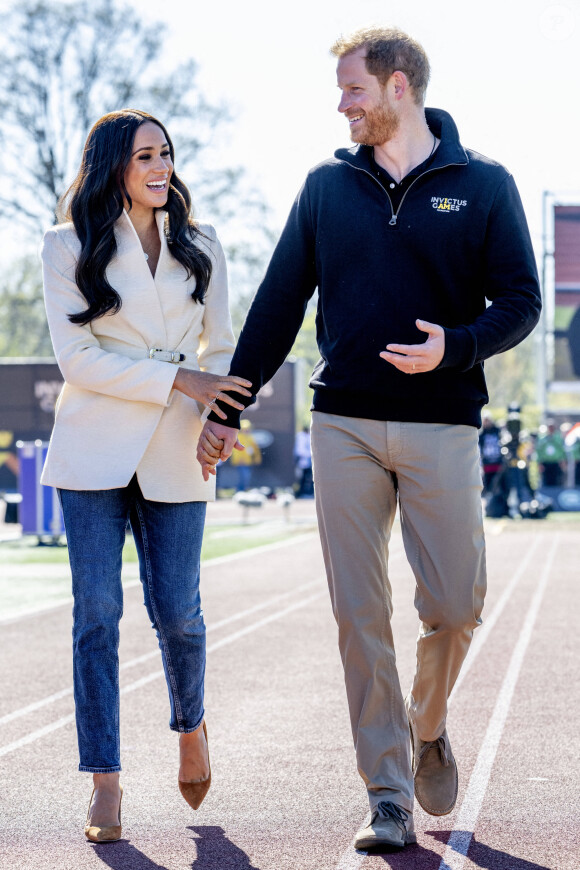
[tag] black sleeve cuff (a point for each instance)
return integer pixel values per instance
(232, 420)
(460, 349)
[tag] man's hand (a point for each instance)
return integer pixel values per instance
(416, 358)
(215, 442)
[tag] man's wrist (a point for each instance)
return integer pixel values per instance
(459, 350)
(232, 419)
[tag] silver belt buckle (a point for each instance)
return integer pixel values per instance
(172, 356)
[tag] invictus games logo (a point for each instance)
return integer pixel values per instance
(47, 392)
(446, 203)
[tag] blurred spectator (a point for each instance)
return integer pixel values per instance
(551, 455)
(244, 460)
(490, 450)
(572, 442)
(303, 460)
(527, 452)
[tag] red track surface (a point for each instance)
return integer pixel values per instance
(285, 792)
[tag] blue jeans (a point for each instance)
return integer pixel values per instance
(244, 477)
(168, 539)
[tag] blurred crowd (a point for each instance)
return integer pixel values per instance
(519, 467)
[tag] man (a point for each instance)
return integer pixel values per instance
(551, 456)
(303, 462)
(405, 235)
(245, 460)
(490, 451)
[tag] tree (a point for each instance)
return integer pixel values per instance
(62, 66)
(510, 376)
(22, 312)
(305, 345)
(306, 349)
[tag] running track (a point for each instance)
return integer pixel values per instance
(285, 794)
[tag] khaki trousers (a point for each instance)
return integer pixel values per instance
(360, 467)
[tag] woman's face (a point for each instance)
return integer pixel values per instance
(150, 168)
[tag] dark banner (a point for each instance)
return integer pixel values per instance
(29, 390)
(567, 292)
(273, 424)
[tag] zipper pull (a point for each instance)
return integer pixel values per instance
(393, 221)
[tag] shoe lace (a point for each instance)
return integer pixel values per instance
(438, 744)
(387, 809)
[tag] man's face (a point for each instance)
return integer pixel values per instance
(365, 102)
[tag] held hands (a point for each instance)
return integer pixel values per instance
(215, 442)
(415, 358)
(206, 387)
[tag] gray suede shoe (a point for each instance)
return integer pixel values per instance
(389, 827)
(435, 773)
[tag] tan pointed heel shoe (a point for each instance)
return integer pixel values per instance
(106, 833)
(194, 792)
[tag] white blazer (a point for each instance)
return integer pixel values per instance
(117, 413)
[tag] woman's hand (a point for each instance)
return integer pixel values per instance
(215, 442)
(206, 387)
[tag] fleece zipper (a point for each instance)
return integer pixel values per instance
(395, 214)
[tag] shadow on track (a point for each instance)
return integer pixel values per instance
(414, 856)
(121, 855)
(484, 856)
(214, 852)
(420, 858)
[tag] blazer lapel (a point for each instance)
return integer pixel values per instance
(130, 275)
(182, 314)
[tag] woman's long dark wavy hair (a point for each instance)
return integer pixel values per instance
(95, 201)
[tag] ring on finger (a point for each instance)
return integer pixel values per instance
(413, 367)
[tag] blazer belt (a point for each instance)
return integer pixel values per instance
(172, 356)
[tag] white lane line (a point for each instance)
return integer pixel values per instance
(227, 621)
(257, 551)
(226, 640)
(36, 705)
(481, 634)
(65, 720)
(207, 563)
(51, 699)
(460, 839)
(36, 735)
(352, 860)
(232, 637)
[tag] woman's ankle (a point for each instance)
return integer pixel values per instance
(193, 756)
(108, 781)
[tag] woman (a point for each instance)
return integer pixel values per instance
(136, 298)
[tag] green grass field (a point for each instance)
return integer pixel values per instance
(35, 577)
(217, 541)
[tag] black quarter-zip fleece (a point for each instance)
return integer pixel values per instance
(457, 238)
